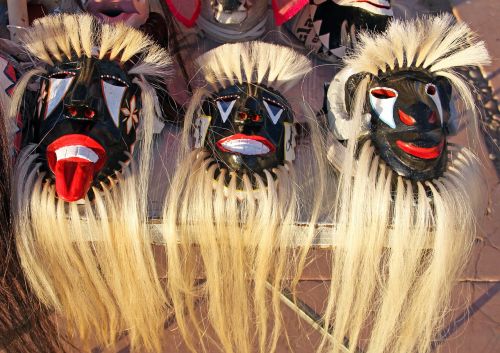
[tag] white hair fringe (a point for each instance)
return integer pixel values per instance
(253, 62)
(437, 44)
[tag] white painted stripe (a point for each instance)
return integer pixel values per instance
(114, 96)
(57, 90)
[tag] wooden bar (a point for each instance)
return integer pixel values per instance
(18, 17)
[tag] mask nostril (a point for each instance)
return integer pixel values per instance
(89, 113)
(256, 118)
(432, 118)
(242, 116)
(72, 111)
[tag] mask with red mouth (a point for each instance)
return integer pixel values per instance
(248, 128)
(409, 115)
(132, 12)
(329, 27)
(85, 124)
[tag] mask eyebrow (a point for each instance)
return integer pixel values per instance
(116, 78)
(230, 96)
(62, 72)
(272, 101)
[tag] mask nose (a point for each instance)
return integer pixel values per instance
(80, 112)
(248, 118)
(249, 115)
(80, 103)
(79, 95)
(420, 115)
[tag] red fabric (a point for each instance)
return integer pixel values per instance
(186, 11)
(286, 9)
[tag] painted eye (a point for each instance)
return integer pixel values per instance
(273, 110)
(382, 100)
(432, 92)
(113, 96)
(58, 87)
(430, 89)
(225, 106)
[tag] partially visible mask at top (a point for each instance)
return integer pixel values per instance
(329, 28)
(133, 13)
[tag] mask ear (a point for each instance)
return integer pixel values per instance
(448, 103)
(290, 143)
(200, 127)
(339, 95)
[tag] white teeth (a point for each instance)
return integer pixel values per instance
(77, 151)
(246, 146)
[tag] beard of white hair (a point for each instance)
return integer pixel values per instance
(89, 261)
(400, 247)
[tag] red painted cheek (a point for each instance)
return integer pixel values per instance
(405, 118)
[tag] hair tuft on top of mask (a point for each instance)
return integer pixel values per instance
(59, 38)
(437, 44)
(261, 63)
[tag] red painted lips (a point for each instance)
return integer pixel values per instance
(75, 160)
(421, 152)
(250, 145)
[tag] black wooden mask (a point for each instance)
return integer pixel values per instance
(85, 124)
(329, 26)
(410, 111)
(247, 128)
